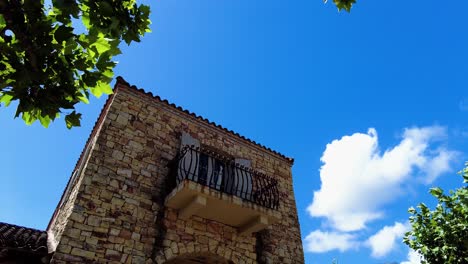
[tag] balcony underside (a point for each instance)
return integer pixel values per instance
(191, 198)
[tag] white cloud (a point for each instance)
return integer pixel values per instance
(358, 179)
(413, 258)
(439, 165)
(318, 241)
(384, 241)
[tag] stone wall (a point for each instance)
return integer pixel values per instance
(64, 210)
(119, 215)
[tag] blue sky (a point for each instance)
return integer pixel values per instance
(372, 105)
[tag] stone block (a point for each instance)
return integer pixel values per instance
(117, 154)
(125, 234)
(124, 172)
(73, 233)
(82, 253)
(136, 236)
(113, 255)
(114, 232)
(94, 220)
(78, 218)
(168, 253)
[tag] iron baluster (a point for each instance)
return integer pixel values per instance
(219, 173)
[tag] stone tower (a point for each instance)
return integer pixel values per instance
(158, 184)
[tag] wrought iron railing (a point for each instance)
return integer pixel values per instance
(223, 174)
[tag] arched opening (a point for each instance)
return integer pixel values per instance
(199, 258)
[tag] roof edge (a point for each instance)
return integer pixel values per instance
(122, 81)
(94, 130)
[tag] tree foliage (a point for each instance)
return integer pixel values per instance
(53, 57)
(343, 4)
(441, 235)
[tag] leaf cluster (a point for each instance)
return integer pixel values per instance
(52, 58)
(441, 235)
(343, 4)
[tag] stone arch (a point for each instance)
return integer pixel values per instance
(199, 258)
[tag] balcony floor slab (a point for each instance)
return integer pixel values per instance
(191, 198)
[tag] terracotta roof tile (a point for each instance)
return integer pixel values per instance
(23, 238)
(122, 81)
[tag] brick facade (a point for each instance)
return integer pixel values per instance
(113, 209)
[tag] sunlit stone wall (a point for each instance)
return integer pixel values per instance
(114, 211)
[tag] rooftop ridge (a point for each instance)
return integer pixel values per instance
(122, 81)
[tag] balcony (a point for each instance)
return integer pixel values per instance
(214, 187)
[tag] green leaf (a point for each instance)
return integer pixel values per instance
(102, 45)
(2, 22)
(63, 33)
(440, 234)
(62, 67)
(100, 88)
(108, 73)
(437, 192)
(73, 120)
(83, 99)
(106, 8)
(145, 9)
(45, 120)
(85, 20)
(28, 118)
(344, 4)
(6, 99)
